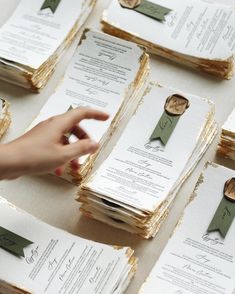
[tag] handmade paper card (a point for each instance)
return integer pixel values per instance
(195, 260)
(195, 33)
(38, 258)
(36, 29)
(141, 172)
(134, 187)
(106, 74)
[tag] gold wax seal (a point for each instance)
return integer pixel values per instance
(129, 3)
(176, 104)
(229, 189)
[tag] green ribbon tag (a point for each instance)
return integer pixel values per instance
(223, 217)
(12, 242)
(175, 106)
(225, 213)
(152, 10)
(147, 8)
(51, 4)
(164, 128)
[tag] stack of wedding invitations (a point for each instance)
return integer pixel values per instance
(107, 74)
(38, 258)
(196, 259)
(5, 116)
(194, 33)
(35, 37)
(134, 187)
(226, 145)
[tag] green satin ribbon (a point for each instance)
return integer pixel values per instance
(12, 242)
(51, 4)
(165, 127)
(152, 10)
(223, 217)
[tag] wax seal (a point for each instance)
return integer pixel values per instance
(229, 190)
(176, 104)
(174, 107)
(131, 4)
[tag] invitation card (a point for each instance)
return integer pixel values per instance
(197, 260)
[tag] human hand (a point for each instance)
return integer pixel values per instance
(45, 147)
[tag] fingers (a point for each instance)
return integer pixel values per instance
(75, 164)
(64, 140)
(79, 133)
(71, 118)
(80, 148)
(59, 171)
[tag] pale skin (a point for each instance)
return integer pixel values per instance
(45, 148)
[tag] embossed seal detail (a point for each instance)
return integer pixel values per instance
(229, 190)
(129, 3)
(176, 104)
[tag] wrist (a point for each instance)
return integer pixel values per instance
(10, 161)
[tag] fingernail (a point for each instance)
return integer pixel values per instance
(58, 172)
(75, 165)
(94, 145)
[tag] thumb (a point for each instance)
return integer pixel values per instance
(81, 147)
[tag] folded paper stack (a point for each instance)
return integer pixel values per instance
(133, 188)
(199, 260)
(195, 33)
(38, 258)
(226, 145)
(5, 117)
(107, 74)
(35, 37)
